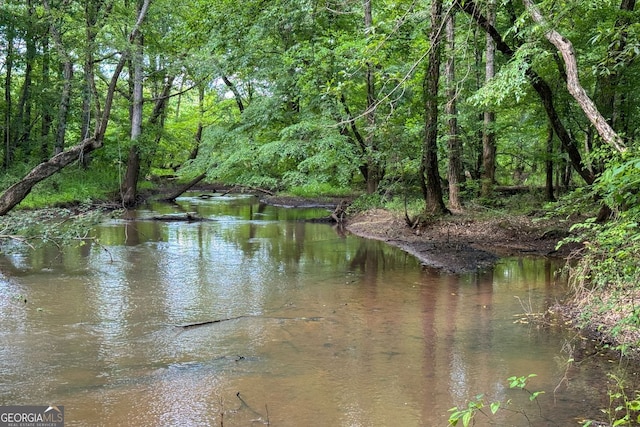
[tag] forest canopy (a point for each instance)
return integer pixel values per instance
(374, 95)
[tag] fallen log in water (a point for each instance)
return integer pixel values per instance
(186, 217)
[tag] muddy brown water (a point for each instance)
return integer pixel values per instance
(311, 327)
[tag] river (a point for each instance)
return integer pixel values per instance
(308, 326)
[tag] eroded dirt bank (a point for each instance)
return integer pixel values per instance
(460, 243)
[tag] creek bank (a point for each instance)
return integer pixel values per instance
(458, 243)
(461, 242)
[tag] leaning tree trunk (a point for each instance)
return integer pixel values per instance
(541, 87)
(18, 191)
(171, 197)
(429, 175)
(565, 47)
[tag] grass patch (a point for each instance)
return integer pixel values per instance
(320, 190)
(73, 185)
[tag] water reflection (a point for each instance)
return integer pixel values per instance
(321, 329)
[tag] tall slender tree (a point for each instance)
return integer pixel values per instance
(429, 173)
(373, 167)
(7, 137)
(488, 131)
(455, 174)
(130, 182)
(67, 73)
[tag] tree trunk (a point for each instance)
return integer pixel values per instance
(91, 11)
(576, 90)
(476, 170)
(23, 119)
(157, 119)
(17, 192)
(7, 136)
(63, 109)
(46, 105)
(607, 98)
(67, 74)
(454, 174)
(355, 137)
(429, 175)
(549, 165)
(488, 131)
(373, 164)
(236, 93)
(200, 128)
(130, 183)
(173, 196)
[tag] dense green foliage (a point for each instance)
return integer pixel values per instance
(607, 274)
(312, 97)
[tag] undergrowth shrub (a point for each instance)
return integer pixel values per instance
(606, 276)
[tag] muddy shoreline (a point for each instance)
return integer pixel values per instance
(457, 243)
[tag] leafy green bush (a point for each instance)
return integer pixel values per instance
(607, 274)
(367, 201)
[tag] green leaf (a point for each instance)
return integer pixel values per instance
(620, 422)
(495, 406)
(535, 395)
(466, 418)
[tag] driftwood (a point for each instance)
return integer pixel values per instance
(187, 217)
(340, 212)
(177, 193)
(210, 322)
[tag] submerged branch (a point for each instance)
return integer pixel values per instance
(211, 322)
